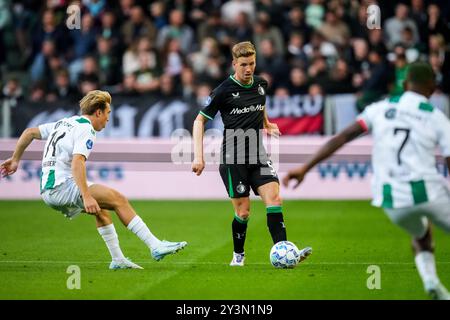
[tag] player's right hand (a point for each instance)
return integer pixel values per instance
(198, 166)
(90, 204)
(8, 167)
(298, 175)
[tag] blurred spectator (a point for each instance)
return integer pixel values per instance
(198, 13)
(62, 88)
(241, 30)
(400, 69)
(441, 68)
(88, 83)
(318, 44)
(358, 24)
(315, 12)
(49, 31)
(41, 65)
(123, 12)
(232, 8)
(172, 58)
(296, 24)
(419, 15)
(12, 91)
(94, 7)
(375, 82)
(376, 41)
(38, 92)
(264, 30)
(89, 71)
(84, 39)
(436, 24)
(295, 54)
(157, 13)
(130, 61)
(394, 26)
(108, 62)
(137, 26)
(339, 79)
(274, 9)
(335, 30)
(129, 85)
(271, 62)
(147, 76)
(199, 60)
(177, 29)
(298, 82)
(187, 84)
(167, 88)
(110, 30)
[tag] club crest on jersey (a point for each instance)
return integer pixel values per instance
(390, 113)
(89, 144)
(207, 101)
(240, 188)
(261, 90)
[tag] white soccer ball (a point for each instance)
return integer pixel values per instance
(284, 254)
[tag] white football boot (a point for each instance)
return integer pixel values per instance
(165, 248)
(238, 259)
(437, 291)
(123, 264)
(304, 253)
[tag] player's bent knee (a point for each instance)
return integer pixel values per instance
(243, 214)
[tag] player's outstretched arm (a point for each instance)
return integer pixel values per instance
(334, 144)
(10, 165)
(79, 175)
(199, 126)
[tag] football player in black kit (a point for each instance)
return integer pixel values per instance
(241, 100)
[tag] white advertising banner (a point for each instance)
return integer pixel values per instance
(160, 169)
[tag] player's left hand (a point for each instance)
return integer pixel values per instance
(273, 130)
(8, 167)
(298, 175)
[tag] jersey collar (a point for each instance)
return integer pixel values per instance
(241, 84)
(84, 117)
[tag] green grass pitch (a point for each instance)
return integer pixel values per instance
(37, 245)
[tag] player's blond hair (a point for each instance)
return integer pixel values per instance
(243, 49)
(94, 100)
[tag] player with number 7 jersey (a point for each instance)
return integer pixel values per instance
(406, 183)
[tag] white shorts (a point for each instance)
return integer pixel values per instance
(66, 198)
(415, 219)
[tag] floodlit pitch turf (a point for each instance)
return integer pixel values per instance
(37, 245)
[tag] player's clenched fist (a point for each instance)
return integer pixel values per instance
(198, 166)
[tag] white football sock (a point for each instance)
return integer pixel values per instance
(139, 228)
(426, 266)
(111, 239)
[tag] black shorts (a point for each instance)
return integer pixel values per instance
(238, 178)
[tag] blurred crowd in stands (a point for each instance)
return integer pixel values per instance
(181, 48)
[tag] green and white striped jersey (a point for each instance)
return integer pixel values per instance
(69, 136)
(406, 132)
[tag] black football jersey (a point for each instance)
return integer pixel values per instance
(242, 110)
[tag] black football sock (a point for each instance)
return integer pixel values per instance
(275, 223)
(239, 228)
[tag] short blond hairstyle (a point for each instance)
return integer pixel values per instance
(94, 100)
(243, 49)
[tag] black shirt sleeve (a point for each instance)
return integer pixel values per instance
(211, 106)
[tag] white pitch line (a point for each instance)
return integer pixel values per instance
(203, 263)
